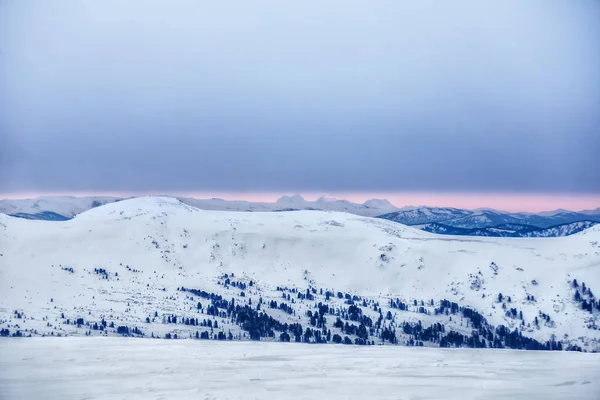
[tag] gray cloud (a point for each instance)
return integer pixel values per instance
(335, 96)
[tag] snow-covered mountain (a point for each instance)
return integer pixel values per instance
(426, 215)
(484, 218)
(561, 230)
(159, 267)
(46, 207)
(511, 230)
(370, 208)
(480, 222)
(595, 211)
(43, 216)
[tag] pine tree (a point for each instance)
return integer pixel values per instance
(284, 337)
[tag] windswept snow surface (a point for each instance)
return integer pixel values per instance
(124, 262)
(114, 368)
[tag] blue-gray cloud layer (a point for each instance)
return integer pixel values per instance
(327, 96)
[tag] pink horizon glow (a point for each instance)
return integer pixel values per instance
(500, 201)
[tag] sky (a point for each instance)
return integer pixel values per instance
(453, 103)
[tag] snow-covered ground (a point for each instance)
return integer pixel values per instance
(123, 368)
(123, 263)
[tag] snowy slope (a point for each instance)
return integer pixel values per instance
(484, 218)
(595, 211)
(562, 230)
(425, 215)
(149, 247)
(478, 221)
(67, 206)
(511, 230)
(370, 208)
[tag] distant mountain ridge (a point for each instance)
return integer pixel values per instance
(41, 216)
(474, 219)
(65, 206)
(370, 208)
(442, 220)
(512, 230)
(68, 206)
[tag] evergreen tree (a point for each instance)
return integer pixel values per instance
(284, 337)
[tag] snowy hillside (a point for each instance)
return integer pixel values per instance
(481, 222)
(561, 230)
(511, 230)
(158, 267)
(483, 218)
(370, 208)
(66, 206)
(46, 208)
(426, 215)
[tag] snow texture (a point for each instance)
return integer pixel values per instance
(113, 368)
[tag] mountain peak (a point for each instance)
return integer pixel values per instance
(553, 212)
(379, 203)
(295, 199)
(591, 212)
(326, 199)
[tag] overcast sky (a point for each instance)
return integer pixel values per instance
(308, 96)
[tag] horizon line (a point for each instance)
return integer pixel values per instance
(501, 201)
